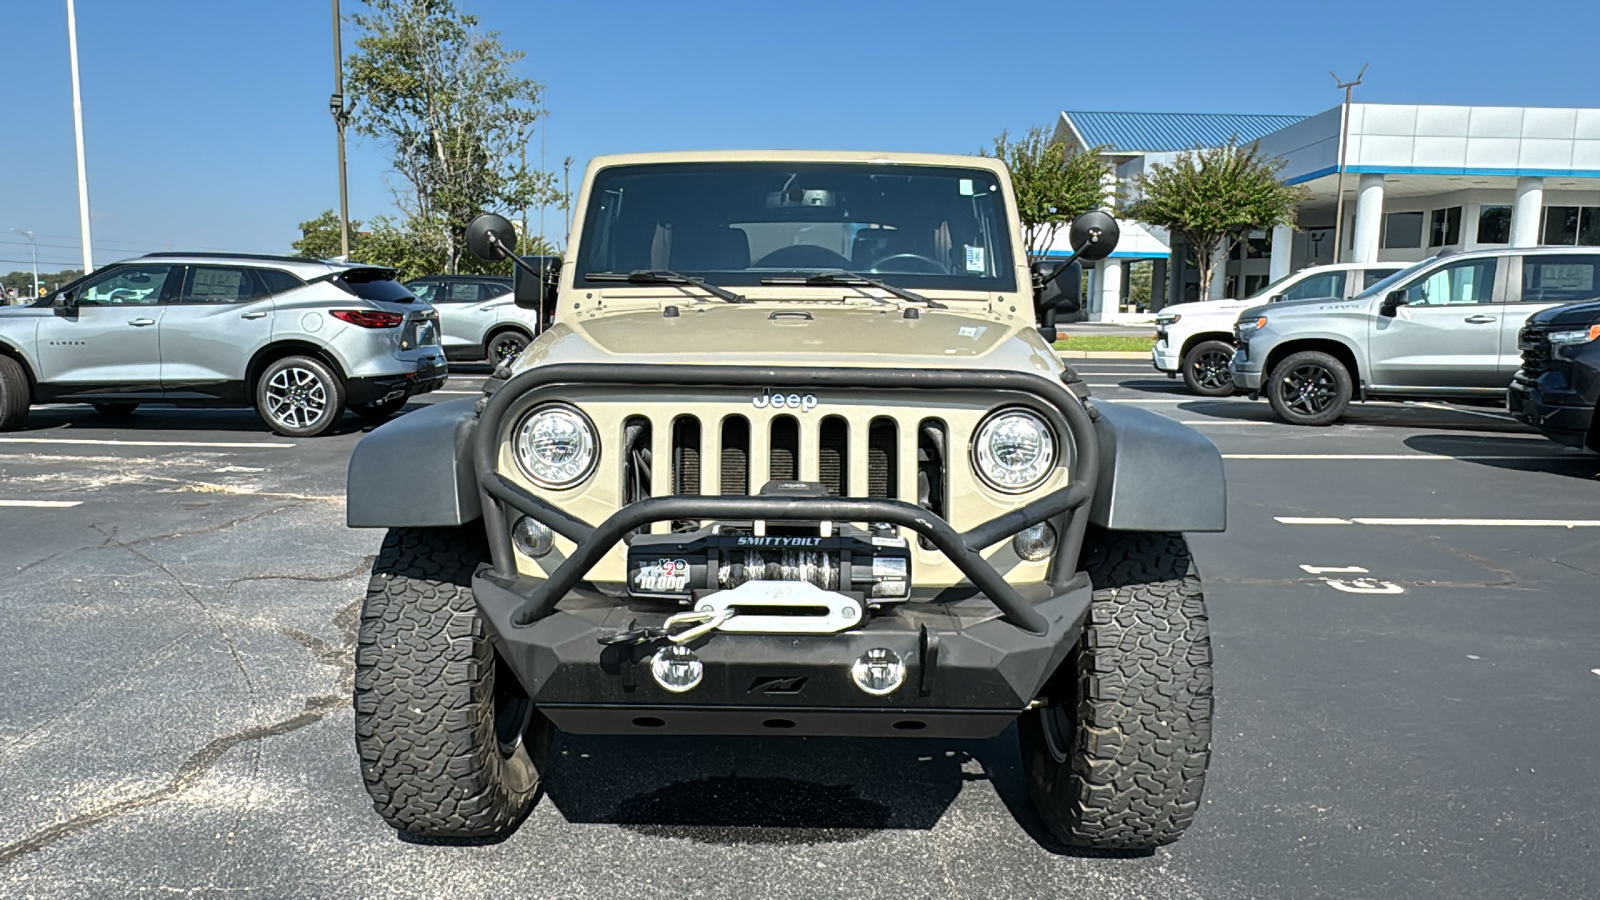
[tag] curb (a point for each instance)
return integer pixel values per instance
(1102, 354)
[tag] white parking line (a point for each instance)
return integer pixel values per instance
(1149, 400)
(1223, 422)
(456, 392)
(1386, 456)
(1406, 523)
(42, 504)
(114, 443)
(1123, 384)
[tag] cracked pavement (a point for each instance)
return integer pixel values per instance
(175, 664)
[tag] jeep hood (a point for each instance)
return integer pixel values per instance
(790, 334)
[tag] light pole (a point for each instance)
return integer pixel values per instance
(33, 252)
(77, 124)
(341, 117)
(1344, 127)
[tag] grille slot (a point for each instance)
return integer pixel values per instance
(833, 455)
(883, 457)
(685, 463)
(933, 465)
(784, 456)
(735, 455)
(635, 459)
(1535, 351)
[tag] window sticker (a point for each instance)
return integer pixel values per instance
(975, 258)
(966, 187)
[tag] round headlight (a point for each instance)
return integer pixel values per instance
(1013, 450)
(556, 446)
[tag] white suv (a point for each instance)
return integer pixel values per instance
(1196, 339)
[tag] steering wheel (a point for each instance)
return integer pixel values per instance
(933, 265)
(121, 296)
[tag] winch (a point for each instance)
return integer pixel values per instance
(875, 562)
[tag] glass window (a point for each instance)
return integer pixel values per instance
(494, 289)
(1372, 276)
(1589, 227)
(1560, 225)
(1560, 279)
(133, 285)
(1454, 284)
(279, 281)
(1402, 230)
(1444, 227)
(373, 284)
(1253, 284)
(1494, 224)
(1322, 284)
(461, 292)
(738, 223)
(423, 290)
(1383, 286)
(222, 284)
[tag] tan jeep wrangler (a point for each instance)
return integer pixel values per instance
(795, 458)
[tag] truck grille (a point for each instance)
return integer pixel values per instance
(1535, 351)
(781, 449)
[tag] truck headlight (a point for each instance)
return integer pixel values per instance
(1575, 337)
(556, 446)
(1013, 450)
(1166, 319)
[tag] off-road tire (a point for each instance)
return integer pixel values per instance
(115, 410)
(1116, 758)
(1320, 403)
(328, 394)
(505, 345)
(15, 395)
(379, 410)
(1200, 371)
(437, 759)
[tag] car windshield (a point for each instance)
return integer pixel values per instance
(926, 227)
(1382, 287)
(1272, 288)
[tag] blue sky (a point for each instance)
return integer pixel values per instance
(207, 123)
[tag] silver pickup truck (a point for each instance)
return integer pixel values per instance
(1445, 328)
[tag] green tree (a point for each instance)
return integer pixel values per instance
(446, 98)
(1052, 184)
(1212, 196)
(319, 237)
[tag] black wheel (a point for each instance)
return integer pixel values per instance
(115, 410)
(378, 410)
(451, 746)
(505, 346)
(1205, 368)
(1116, 757)
(15, 395)
(1309, 388)
(299, 396)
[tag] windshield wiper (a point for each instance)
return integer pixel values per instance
(854, 279)
(667, 276)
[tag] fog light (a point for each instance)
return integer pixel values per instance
(879, 671)
(532, 538)
(676, 668)
(1036, 543)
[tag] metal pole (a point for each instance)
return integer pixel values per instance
(77, 124)
(340, 116)
(33, 253)
(1344, 128)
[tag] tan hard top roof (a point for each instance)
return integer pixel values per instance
(856, 156)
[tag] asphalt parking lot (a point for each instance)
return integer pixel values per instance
(1406, 614)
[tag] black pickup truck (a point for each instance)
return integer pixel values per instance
(1557, 390)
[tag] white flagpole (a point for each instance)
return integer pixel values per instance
(77, 123)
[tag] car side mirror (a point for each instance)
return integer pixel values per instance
(1393, 301)
(536, 290)
(66, 304)
(491, 238)
(1093, 235)
(1275, 298)
(1057, 288)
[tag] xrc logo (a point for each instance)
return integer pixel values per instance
(779, 400)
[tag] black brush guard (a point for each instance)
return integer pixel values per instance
(961, 548)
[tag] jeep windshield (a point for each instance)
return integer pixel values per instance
(743, 224)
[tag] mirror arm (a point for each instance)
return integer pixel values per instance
(516, 260)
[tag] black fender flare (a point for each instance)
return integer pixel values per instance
(1155, 474)
(416, 471)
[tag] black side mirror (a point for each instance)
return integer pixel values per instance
(65, 303)
(1057, 288)
(1393, 301)
(537, 290)
(491, 238)
(1094, 235)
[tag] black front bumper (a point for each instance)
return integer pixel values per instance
(1565, 424)
(974, 664)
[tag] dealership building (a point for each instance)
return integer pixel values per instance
(1416, 180)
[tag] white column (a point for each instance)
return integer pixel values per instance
(1110, 279)
(1282, 247)
(1369, 218)
(1525, 212)
(1219, 281)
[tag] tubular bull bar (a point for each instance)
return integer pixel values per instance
(963, 549)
